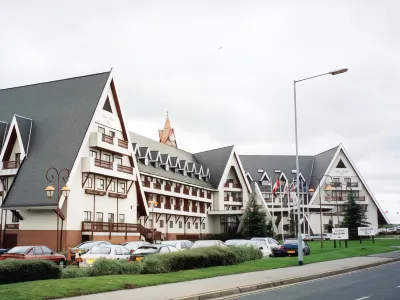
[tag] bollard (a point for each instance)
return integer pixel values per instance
(345, 243)
(373, 240)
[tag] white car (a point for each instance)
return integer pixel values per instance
(179, 244)
(133, 246)
(260, 245)
(108, 252)
(272, 243)
(231, 243)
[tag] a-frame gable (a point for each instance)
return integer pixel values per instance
(13, 136)
(265, 176)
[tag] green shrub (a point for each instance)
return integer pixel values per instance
(104, 266)
(244, 253)
(157, 263)
(74, 272)
(12, 270)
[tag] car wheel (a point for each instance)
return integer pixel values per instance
(62, 263)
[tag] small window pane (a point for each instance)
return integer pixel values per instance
(110, 218)
(161, 223)
(99, 217)
(102, 130)
(37, 251)
(87, 216)
(180, 224)
(171, 224)
(46, 250)
(118, 251)
(188, 225)
(204, 225)
(121, 218)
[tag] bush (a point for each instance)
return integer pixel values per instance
(157, 263)
(12, 270)
(244, 253)
(104, 266)
(74, 272)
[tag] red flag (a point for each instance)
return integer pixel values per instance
(276, 186)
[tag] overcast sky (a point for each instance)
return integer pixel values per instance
(224, 70)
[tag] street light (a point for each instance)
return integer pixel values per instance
(312, 191)
(300, 241)
(60, 192)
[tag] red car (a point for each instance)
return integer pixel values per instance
(35, 252)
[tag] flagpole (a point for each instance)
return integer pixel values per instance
(280, 196)
(308, 213)
(294, 208)
(273, 201)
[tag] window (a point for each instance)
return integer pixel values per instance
(93, 154)
(180, 224)
(264, 182)
(102, 130)
(14, 219)
(347, 180)
(112, 133)
(112, 186)
(37, 251)
(341, 165)
(110, 218)
(47, 251)
(107, 157)
(204, 225)
(118, 160)
(107, 106)
(171, 224)
(326, 228)
(87, 216)
(118, 251)
(161, 223)
(122, 186)
(336, 179)
(125, 251)
(197, 225)
(121, 218)
(99, 217)
(188, 225)
(89, 182)
(101, 184)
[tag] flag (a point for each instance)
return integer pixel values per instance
(276, 186)
(286, 189)
(293, 195)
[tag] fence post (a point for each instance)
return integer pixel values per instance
(373, 240)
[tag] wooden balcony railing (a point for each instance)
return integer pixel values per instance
(186, 208)
(226, 184)
(167, 206)
(116, 227)
(208, 195)
(103, 164)
(202, 194)
(194, 193)
(237, 185)
(12, 226)
(268, 199)
(117, 195)
(123, 144)
(157, 186)
(146, 183)
(186, 191)
(194, 208)
(167, 188)
(352, 184)
(11, 164)
(177, 207)
(335, 184)
(107, 139)
(125, 169)
(95, 192)
(177, 190)
(360, 198)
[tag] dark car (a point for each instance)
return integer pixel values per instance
(146, 250)
(3, 251)
(35, 252)
(290, 247)
(85, 247)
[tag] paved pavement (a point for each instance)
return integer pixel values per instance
(189, 288)
(379, 283)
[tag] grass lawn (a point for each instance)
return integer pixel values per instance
(51, 289)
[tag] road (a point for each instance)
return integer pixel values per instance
(380, 283)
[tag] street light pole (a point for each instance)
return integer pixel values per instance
(300, 241)
(311, 191)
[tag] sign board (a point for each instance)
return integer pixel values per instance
(366, 231)
(340, 233)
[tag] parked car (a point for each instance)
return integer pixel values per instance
(208, 243)
(35, 252)
(179, 244)
(132, 246)
(146, 250)
(391, 230)
(108, 251)
(260, 245)
(317, 237)
(85, 247)
(306, 237)
(2, 251)
(273, 244)
(290, 247)
(231, 243)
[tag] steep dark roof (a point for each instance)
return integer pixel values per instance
(24, 126)
(217, 159)
(3, 133)
(308, 165)
(61, 111)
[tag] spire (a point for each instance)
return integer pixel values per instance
(167, 135)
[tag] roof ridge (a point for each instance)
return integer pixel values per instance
(327, 150)
(52, 81)
(214, 149)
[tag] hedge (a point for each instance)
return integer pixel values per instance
(13, 270)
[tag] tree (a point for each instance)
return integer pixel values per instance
(255, 223)
(354, 216)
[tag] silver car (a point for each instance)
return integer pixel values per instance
(179, 244)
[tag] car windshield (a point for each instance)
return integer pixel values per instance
(200, 244)
(100, 250)
(291, 242)
(86, 246)
(146, 249)
(233, 242)
(18, 250)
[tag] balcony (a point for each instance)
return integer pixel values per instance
(360, 198)
(117, 195)
(167, 188)
(102, 141)
(351, 184)
(202, 210)
(232, 185)
(177, 189)
(186, 191)
(88, 226)
(194, 193)
(167, 206)
(157, 186)
(177, 207)
(194, 209)
(201, 194)
(9, 168)
(208, 195)
(95, 192)
(186, 208)
(335, 184)
(106, 168)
